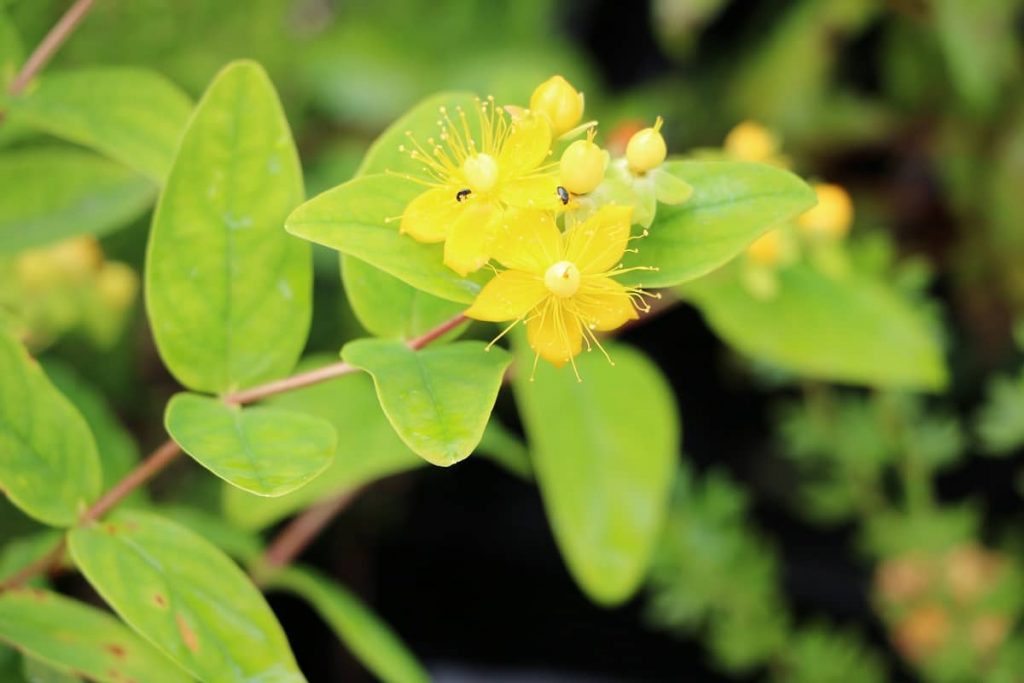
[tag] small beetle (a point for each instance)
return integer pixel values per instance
(462, 194)
(563, 194)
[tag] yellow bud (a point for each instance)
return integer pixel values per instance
(831, 217)
(767, 250)
(116, 285)
(646, 149)
(556, 99)
(751, 141)
(36, 269)
(562, 279)
(582, 166)
(481, 171)
(77, 257)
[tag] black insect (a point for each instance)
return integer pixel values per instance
(563, 194)
(462, 194)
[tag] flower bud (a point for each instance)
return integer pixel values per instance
(831, 217)
(646, 149)
(557, 100)
(767, 250)
(116, 285)
(751, 141)
(582, 166)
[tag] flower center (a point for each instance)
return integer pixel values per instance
(562, 279)
(481, 172)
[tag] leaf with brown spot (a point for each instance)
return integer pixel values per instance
(76, 638)
(188, 636)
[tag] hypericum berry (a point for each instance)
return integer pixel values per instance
(646, 149)
(582, 166)
(559, 102)
(833, 215)
(750, 141)
(767, 250)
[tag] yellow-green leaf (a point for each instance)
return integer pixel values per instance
(438, 399)
(74, 637)
(227, 290)
(604, 454)
(132, 115)
(732, 204)
(49, 467)
(186, 597)
(266, 451)
(51, 193)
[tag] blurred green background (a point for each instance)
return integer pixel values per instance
(820, 533)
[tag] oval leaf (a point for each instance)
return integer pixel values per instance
(53, 193)
(369, 449)
(388, 307)
(845, 330)
(362, 631)
(186, 597)
(48, 462)
(74, 637)
(603, 453)
(227, 290)
(355, 218)
(732, 204)
(438, 399)
(132, 115)
(265, 451)
(386, 153)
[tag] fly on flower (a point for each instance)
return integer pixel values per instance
(481, 163)
(561, 285)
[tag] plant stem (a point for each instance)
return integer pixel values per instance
(297, 535)
(46, 49)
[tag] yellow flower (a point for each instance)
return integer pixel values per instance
(768, 249)
(473, 178)
(750, 141)
(559, 284)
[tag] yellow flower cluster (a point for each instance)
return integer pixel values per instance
(496, 198)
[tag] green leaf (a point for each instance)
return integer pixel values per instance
(36, 671)
(603, 452)
(506, 449)
(388, 307)
(438, 399)
(266, 451)
(12, 52)
(21, 551)
(368, 448)
(362, 631)
(118, 452)
(74, 637)
(48, 462)
(184, 596)
(846, 330)
(240, 544)
(227, 290)
(732, 205)
(356, 218)
(422, 122)
(132, 115)
(54, 193)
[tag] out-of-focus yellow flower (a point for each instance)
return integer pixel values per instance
(473, 179)
(646, 149)
(582, 166)
(832, 217)
(768, 250)
(117, 285)
(750, 141)
(561, 285)
(559, 102)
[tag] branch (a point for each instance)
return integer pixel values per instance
(46, 49)
(302, 530)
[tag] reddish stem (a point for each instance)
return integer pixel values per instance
(46, 49)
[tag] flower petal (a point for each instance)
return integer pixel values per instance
(603, 304)
(510, 295)
(597, 244)
(526, 146)
(532, 192)
(430, 216)
(528, 240)
(471, 239)
(554, 333)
